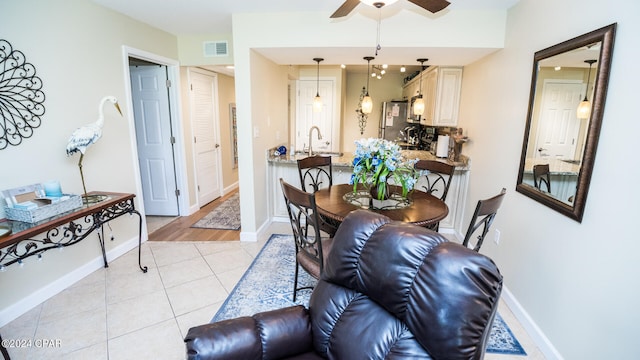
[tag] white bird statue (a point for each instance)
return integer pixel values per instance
(86, 135)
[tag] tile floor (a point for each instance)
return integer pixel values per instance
(121, 313)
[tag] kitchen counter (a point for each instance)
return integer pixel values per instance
(346, 159)
(285, 167)
(556, 166)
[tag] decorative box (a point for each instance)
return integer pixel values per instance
(30, 204)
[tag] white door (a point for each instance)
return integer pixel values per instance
(307, 90)
(559, 126)
(204, 121)
(152, 119)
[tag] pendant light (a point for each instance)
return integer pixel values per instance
(418, 104)
(317, 101)
(367, 103)
(584, 109)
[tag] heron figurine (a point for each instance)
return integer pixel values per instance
(86, 135)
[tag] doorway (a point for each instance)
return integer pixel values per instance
(205, 124)
(306, 118)
(154, 136)
(179, 158)
(559, 127)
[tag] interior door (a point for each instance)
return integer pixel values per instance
(559, 126)
(307, 90)
(152, 119)
(205, 124)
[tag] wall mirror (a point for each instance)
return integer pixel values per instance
(568, 91)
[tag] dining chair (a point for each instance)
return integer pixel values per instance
(315, 172)
(438, 177)
(541, 176)
(311, 248)
(484, 215)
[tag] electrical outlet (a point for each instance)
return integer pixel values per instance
(496, 237)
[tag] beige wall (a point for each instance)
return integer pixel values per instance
(79, 57)
(386, 89)
(577, 281)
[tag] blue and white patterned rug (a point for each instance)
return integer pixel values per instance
(268, 285)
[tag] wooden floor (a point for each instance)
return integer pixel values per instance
(181, 230)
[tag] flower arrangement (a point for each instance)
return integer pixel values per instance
(376, 161)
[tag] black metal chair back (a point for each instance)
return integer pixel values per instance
(484, 215)
(315, 173)
(541, 176)
(305, 224)
(438, 177)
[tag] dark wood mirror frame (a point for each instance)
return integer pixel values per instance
(574, 209)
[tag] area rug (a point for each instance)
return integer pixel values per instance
(225, 216)
(268, 285)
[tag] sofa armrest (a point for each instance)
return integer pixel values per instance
(276, 334)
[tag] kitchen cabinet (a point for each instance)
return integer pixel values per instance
(441, 88)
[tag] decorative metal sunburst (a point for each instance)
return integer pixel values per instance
(21, 97)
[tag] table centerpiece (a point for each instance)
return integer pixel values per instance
(379, 162)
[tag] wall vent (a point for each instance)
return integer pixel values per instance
(215, 48)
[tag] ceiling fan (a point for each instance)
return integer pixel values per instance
(430, 5)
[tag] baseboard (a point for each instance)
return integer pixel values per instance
(230, 188)
(254, 236)
(536, 334)
(41, 295)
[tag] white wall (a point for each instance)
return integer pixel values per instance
(578, 282)
(76, 48)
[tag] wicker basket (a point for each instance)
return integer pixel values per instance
(46, 211)
(12, 197)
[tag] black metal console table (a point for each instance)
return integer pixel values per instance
(67, 229)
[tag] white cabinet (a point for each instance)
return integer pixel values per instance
(441, 92)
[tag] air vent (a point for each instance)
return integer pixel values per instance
(215, 48)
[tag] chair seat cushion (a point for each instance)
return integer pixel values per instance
(310, 263)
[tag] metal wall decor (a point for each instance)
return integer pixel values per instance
(21, 96)
(362, 117)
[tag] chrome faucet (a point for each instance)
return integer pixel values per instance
(319, 138)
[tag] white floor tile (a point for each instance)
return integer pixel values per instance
(134, 314)
(160, 341)
(184, 271)
(196, 294)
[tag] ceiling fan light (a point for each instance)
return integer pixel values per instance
(375, 3)
(584, 109)
(418, 106)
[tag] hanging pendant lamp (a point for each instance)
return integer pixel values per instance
(367, 103)
(418, 104)
(317, 101)
(584, 109)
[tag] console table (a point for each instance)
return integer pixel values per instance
(67, 229)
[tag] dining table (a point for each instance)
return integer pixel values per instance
(423, 209)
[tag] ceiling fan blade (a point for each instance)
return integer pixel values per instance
(345, 8)
(431, 5)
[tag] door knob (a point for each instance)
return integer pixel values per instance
(217, 146)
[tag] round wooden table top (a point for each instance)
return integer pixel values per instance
(425, 210)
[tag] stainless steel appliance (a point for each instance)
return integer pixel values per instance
(393, 121)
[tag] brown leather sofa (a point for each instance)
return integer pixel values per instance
(389, 290)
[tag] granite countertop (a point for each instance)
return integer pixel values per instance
(346, 159)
